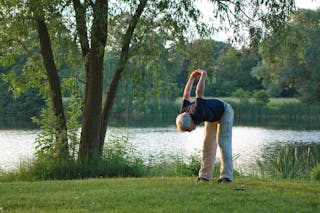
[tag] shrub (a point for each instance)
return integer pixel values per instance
(194, 164)
(315, 173)
(261, 97)
(290, 161)
(242, 95)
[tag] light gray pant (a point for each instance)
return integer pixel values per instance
(218, 133)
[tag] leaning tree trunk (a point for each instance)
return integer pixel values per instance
(119, 69)
(61, 143)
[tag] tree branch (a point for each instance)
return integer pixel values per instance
(120, 67)
(81, 25)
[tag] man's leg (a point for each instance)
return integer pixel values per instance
(225, 143)
(209, 150)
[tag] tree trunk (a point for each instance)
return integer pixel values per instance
(95, 121)
(91, 120)
(61, 143)
(89, 143)
(80, 11)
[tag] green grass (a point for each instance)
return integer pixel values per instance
(173, 194)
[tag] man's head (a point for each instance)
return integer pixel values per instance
(184, 122)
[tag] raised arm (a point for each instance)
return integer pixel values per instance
(189, 84)
(201, 84)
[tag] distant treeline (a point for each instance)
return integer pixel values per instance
(281, 115)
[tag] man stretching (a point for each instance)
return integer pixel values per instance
(218, 118)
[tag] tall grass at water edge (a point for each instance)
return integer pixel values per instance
(291, 161)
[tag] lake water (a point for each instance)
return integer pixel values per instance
(248, 142)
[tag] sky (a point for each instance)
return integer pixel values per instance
(222, 36)
(308, 4)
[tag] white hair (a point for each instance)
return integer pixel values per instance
(183, 121)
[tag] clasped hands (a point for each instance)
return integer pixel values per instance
(197, 72)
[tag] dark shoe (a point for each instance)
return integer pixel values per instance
(224, 180)
(201, 179)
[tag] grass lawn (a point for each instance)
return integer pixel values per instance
(160, 195)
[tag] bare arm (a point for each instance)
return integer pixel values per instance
(201, 84)
(189, 84)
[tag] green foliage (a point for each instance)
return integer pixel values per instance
(242, 95)
(46, 141)
(261, 97)
(149, 78)
(195, 164)
(204, 54)
(228, 69)
(26, 105)
(15, 98)
(73, 113)
(315, 173)
(289, 57)
(120, 158)
(233, 71)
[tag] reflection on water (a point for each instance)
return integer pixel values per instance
(11, 122)
(248, 142)
(15, 145)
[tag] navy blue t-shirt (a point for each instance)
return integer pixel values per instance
(203, 109)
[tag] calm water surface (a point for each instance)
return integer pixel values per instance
(248, 142)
